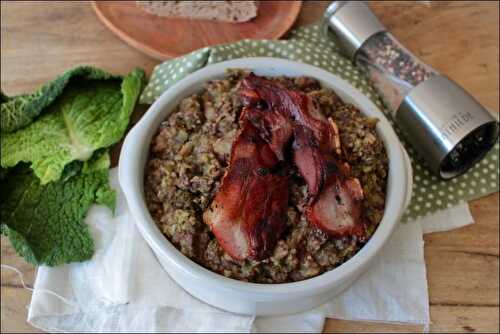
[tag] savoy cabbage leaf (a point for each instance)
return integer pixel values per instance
(45, 222)
(19, 111)
(87, 115)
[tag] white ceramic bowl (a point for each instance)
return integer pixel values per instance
(251, 298)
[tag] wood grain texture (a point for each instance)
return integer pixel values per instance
(163, 37)
(13, 311)
(461, 39)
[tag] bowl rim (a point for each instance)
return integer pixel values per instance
(139, 137)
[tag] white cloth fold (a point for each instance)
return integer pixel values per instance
(123, 287)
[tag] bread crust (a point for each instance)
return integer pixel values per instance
(225, 11)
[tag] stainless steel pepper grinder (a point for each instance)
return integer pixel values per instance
(444, 123)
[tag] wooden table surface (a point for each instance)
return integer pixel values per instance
(39, 41)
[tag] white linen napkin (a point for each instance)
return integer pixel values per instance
(124, 288)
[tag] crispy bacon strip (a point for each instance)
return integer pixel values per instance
(337, 209)
(295, 107)
(268, 103)
(335, 197)
(309, 160)
(274, 126)
(249, 210)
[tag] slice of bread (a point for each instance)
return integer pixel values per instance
(226, 11)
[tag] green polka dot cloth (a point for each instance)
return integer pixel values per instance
(309, 45)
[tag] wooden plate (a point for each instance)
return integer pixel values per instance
(164, 38)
